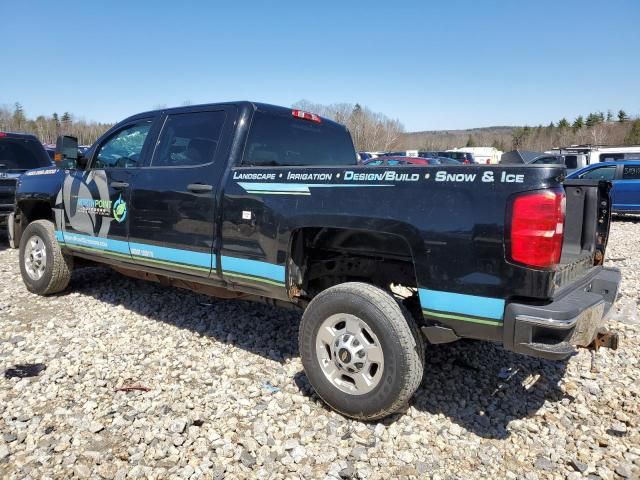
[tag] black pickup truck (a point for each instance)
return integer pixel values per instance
(252, 201)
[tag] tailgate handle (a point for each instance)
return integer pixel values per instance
(199, 188)
(119, 185)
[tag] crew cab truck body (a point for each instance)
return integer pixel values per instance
(246, 200)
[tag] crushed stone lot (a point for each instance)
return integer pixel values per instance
(144, 381)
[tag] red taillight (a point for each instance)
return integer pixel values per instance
(306, 116)
(2, 134)
(537, 223)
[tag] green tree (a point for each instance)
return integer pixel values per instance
(622, 116)
(471, 141)
(563, 124)
(578, 123)
(609, 115)
(594, 119)
(19, 118)
(633, 137)
(551, 126)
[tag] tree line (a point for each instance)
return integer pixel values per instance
(374, 131)
(594, 128)
(48, 128)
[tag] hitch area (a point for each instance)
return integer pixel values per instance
(604, 339)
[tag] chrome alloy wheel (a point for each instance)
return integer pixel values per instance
(349, 354)
(35, 257)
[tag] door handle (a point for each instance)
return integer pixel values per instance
(119, 185)
(199, 188)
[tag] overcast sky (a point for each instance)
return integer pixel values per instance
(459, 64)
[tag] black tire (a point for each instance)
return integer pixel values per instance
(57, 267)
(400, 340)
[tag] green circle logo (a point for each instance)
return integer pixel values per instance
(120, 210)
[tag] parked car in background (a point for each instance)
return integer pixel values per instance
(463, 157)
(482, 155)
(407, 161)
(590, 154)
(364, 156)
(625, 177)
(18, 153)
(516, 157)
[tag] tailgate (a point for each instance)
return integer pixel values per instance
(586, 228)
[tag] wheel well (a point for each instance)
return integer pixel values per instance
(322, 257)
(30, 211)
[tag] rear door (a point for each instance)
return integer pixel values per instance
(97, 200)
(627, 189)
(173, 221)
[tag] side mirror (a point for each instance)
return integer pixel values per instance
(66, 152)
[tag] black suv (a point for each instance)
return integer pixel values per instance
(18, 153)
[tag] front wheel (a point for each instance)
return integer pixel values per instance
(361, 350)
(44, 268)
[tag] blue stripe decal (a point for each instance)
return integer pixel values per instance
(277, 187)
(95, 242)
(484, 307)
(253, 267)
(144, 250)
(297, 188)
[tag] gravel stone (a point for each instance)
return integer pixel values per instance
(4, 451)
(228, 399)
(579, 466)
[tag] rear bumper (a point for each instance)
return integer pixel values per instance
(553, 330)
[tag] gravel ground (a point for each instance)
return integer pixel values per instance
(227, 396)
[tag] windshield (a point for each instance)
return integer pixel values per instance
(22, 154)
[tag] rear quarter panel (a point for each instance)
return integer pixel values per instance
(452, 218)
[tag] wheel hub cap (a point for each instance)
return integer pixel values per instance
(35, 257)
(349, 354)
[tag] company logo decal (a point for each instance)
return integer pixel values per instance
(97, 207)
(120, 210)
(295, 183)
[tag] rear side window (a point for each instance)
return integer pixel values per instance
(189, 139)
(571, 161)
(601, 173)
(19, 154)
(631, 172)
(276, 140)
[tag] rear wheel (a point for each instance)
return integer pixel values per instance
(361, 350)
(44, 268)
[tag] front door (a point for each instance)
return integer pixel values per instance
(96, 200)
(173, 199)
(626, 195)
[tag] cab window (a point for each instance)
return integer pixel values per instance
(601, 173)
(282, 140)
(189, 139)
(124, 148)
